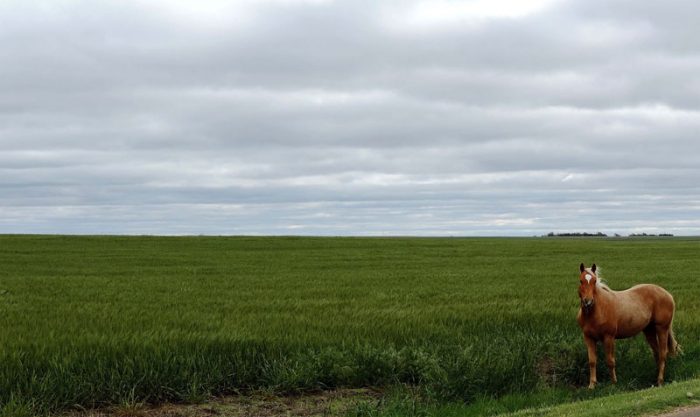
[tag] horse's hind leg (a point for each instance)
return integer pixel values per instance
(662, 333)
(650, 334)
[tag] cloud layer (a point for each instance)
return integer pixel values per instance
(349, 117)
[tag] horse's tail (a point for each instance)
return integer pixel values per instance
(674, 349)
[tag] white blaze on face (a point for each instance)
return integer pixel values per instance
(588, 278)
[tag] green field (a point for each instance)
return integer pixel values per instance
(490, 323)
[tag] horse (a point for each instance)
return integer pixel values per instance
(606, 315)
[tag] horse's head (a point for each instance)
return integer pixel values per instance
(587, 289)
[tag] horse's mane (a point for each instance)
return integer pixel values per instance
(600, 282)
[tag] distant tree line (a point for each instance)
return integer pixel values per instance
(569, 234)
(651, 234)
(600, 234)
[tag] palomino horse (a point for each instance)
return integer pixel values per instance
(606, 315)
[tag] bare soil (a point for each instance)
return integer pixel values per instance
(323, 404)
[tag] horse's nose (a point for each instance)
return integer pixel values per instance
(587, 302)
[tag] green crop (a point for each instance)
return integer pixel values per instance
(94, 321)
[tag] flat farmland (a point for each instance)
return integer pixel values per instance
(96, 321)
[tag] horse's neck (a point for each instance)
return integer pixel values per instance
(606, 296)
(603, 304)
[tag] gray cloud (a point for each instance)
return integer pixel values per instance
(339, 117)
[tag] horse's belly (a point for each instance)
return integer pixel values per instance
(630, 326)
(628, 332)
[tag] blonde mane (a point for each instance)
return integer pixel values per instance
(600, 282)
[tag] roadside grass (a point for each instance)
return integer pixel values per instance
(638, 403)
(608, 401)
(92, 322)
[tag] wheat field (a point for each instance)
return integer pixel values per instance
(89, 321)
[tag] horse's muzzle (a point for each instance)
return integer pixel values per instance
(587, 303)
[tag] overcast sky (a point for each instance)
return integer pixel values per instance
(436, 117)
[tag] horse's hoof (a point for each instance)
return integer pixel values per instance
(591, 385)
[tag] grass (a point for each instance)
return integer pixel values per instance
(638, 403)
(402, 402)
(610, 401)
(98, 321)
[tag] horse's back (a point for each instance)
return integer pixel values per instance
(648, 300)
(651, 293)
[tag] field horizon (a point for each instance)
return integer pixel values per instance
(564, 235)
(92, 320)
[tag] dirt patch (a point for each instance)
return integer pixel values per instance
(546, 369)
(324, 404)
(689, 411)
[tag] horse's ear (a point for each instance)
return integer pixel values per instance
(593, 268)
(582, 267)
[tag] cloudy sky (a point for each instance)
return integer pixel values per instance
(322, 117)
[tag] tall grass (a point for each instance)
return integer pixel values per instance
(91, 321)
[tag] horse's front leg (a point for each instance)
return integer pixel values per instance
(590, 345)
(609, 344)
